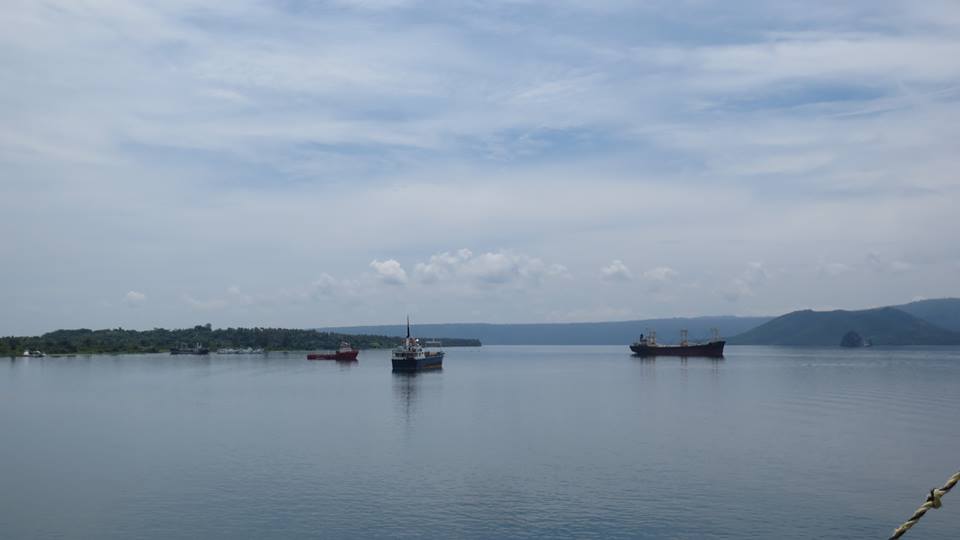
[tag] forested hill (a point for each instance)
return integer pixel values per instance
(942, 312)
(882, 326)
(119, 340)
(598, 333)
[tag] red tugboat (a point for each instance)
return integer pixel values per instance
(344, 353)
(648, 346)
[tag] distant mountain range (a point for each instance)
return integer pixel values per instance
(881, 326)
(925, 322)
(942, 312)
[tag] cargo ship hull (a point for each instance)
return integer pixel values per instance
(430, 361)
(712, 349)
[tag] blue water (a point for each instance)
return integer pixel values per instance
(520, 442)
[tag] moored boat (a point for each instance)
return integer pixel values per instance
(344, 353)
(411, 356)
(248, 350)
(34, 354)
(648, 346)
(185, 349)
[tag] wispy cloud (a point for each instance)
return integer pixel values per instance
(746, 284)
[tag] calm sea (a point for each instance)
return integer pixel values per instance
(505, 442)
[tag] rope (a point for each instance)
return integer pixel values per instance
(933, 501)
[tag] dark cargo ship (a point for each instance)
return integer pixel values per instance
(411, 356)
(648, 346)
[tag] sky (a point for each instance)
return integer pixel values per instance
(302, 164)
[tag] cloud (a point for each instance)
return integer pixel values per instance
(832, 269)
(134, 299)
(442, 265)
(616, 271)
(660, 273)
(878, 263)
(832, 126)
(204, 305)
(504, 267)
(487, 269)
(658, 278)
(746, 284)
(390, 272)
(325, 285)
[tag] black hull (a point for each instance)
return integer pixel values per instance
(434, 361)
(713, 349)
(190, 351)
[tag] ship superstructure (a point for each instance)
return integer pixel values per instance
(411, 356)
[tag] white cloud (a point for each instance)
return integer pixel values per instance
(661, 273)
(134, 298)
(488, 269)
(442, 265)
(616, 271)
(504, 267)
(390, 272)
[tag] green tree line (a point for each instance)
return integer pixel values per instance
(118, 340)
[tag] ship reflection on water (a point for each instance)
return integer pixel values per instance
(346, 365)
(409, 389)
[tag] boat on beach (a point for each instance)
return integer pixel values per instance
(411, 356)
(345, 353)
(648, 346)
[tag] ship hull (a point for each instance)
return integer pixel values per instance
(432, 361)
(713, 349)
(342, 356)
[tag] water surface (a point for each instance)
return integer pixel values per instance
(506, 441)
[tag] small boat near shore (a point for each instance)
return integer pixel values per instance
(183, 348)
(648, 346)
(248, 350)
(34, 354)
(411, 356)
(345, 353)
